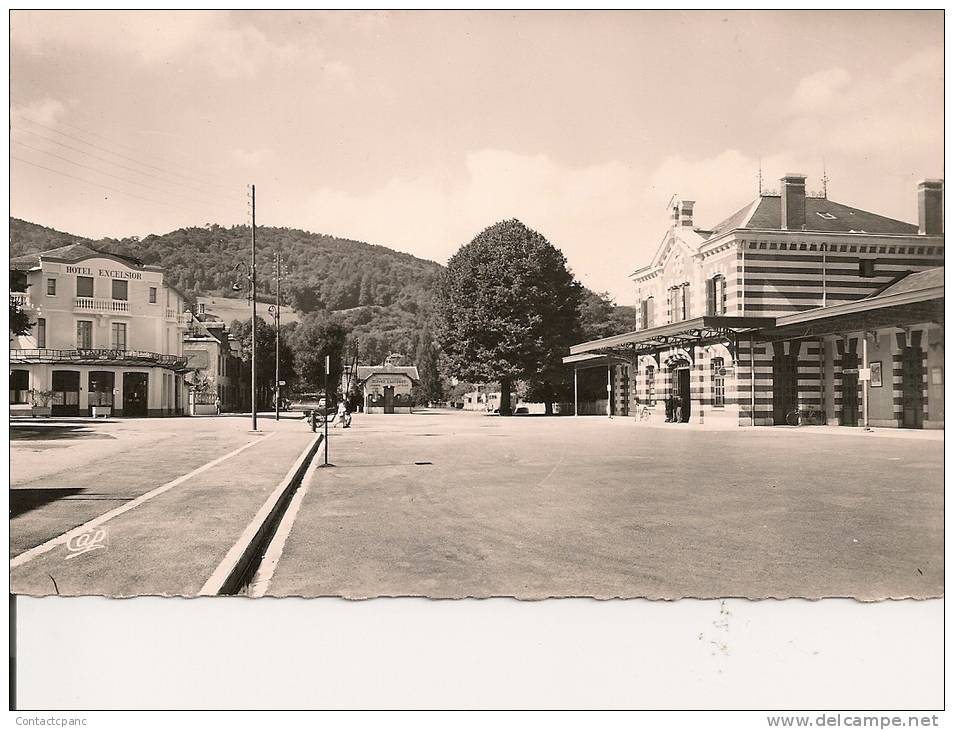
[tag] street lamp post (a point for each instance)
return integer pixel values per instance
(276, 312)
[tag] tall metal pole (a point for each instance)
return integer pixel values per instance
(327, 403)
(254, 317)
(278, 326)
(864, 365)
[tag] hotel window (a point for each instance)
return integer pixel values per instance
(120, 289)
(152, 295)
(41, 333)
(650, 385)
(51, 287)
(718, 383)
(84, 335)
(84, 286)
(101, 386)
(119, 335)
(19, 386)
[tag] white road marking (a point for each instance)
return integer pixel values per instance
(45, 547)
(266, 571)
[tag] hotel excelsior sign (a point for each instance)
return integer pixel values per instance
(389, 379)
(110, 274)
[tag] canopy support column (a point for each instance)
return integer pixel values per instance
(576, 399)
(752, 379)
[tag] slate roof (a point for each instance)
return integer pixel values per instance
(927, 279)
(765, 212)
(72, 253)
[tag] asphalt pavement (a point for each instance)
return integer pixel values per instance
(449, 504)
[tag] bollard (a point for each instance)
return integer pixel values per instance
(314, 422)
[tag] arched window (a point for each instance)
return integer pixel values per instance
(718, 382)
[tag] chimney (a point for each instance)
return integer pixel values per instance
(682, 213)
(793, 201)
(931, 207)
(685, 212)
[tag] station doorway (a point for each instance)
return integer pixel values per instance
(912, 384)
(680, 375)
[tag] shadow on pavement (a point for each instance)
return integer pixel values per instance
(25, 500)
(45, 433)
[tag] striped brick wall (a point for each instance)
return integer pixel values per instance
(783, 277)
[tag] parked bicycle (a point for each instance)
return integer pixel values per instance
(645, 414)
(810, 416)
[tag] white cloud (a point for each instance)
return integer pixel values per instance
(45, 111)
(819, 89)
(227, 45)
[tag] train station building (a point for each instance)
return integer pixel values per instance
(794, 304)
(106, 336)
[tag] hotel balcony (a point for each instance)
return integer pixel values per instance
(131, 358)
(180, 318)
(22, 300)
(105, 306)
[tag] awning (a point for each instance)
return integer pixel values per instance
(885, 310)
(678, 334)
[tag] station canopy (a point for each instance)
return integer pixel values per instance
(697, 331)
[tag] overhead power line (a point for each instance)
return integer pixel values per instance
(117, 154)
(99, 185)
(217, 204)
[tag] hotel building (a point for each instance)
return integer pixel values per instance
(793, 303)
(106, 336)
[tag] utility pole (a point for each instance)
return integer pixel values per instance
(254, 317)
(327, 403)
(278, 327)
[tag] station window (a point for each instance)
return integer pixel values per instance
(152, 295)
(84, 335)
(41, 332)
(718, 382)
(650, 385)
(84, 286)
(646, 313)
(119, 335)
(866, 268)
(51, 287)
(120, 289)
(715, 295)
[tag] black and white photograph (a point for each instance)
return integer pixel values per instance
(477, 304)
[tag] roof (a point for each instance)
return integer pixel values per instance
(366, 371)
(821, 215)
(927, 279)
(70, 254)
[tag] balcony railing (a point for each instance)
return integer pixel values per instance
(90, 304)
(99, 357)
(179, 318)
(20, 299)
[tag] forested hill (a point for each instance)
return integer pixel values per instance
(322, 272)
(379, 295)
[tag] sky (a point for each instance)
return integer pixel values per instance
(417, 130)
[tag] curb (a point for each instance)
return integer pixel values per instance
(236, 569)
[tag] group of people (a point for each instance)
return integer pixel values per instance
(674, 408)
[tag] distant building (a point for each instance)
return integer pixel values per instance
(208, 348)
(107, 334)
(794, 302)
(386, 388)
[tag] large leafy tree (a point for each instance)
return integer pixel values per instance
(264, 356)
(313, 338)
(19, 320)
(507, 308)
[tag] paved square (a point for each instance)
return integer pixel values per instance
(452, 504)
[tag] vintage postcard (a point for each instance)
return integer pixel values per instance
(477, 303)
